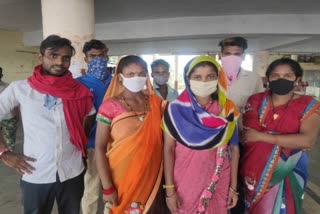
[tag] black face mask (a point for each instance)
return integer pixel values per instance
(281, 86)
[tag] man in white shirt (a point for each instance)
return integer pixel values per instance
(241, 85)
(9, 123)
(54, 107)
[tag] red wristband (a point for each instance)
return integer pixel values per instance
(108, 191)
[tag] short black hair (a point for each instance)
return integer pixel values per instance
(93, 44)
(0, 68)
(55, 42)
(160, 62)
(130, 59)
(234, 41)
(294, 65)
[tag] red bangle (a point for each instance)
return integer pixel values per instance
(108, 191)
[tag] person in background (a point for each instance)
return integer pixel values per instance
(97, 80)
(160, 74)
(54, 108)
(241, 85)
(129, 141)
(280, 126)
(9, 123)
(199, 126)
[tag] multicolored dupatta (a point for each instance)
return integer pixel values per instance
(208, 130)
(275, 177)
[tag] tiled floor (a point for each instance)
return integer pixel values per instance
(10, 192)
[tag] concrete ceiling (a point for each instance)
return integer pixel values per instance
(239, 16)
(25, 15)
(123, 10)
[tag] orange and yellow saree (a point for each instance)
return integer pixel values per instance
(134, 152)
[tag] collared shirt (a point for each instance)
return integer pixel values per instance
(46, 136)
(247, 84)
(172, 93)
(98, 89)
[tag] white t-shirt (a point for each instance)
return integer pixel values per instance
(46, 136)
(247, 84)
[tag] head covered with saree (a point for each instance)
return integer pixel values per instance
(116, 86)
(135, 151)
(188, 123)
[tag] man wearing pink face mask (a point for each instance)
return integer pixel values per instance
(241, 85)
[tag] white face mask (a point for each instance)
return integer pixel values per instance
(134, 84)
(203, 89)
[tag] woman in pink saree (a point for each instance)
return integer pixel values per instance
(198, 127)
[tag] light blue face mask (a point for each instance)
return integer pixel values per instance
(98, 68)
(161, 80)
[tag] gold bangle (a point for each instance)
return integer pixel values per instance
(232, 190)
(168, 186)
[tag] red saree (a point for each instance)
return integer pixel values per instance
(274, 177)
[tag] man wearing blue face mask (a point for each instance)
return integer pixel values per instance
(241, 85)
(160, 74)
(97, 80)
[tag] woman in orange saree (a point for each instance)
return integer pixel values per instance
(129, 140)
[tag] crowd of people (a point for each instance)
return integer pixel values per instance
(224, 144)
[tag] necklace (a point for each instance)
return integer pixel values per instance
(140, 117)
(275, 115)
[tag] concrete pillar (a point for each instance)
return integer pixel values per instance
(260, 62)
(72, 19)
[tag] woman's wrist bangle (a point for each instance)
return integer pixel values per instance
(233, 190)
(170, 196)
(108, 191)
(168, 186)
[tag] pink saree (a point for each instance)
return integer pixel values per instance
(197, 168)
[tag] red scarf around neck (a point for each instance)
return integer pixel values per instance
(76, 100)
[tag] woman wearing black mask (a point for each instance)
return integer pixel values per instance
(280, 126)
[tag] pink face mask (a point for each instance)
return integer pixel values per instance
(231, 65)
